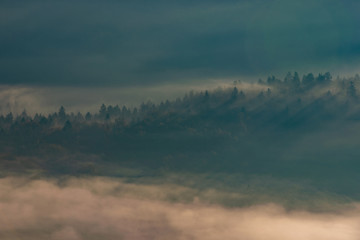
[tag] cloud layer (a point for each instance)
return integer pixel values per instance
(86, 43)
(100, 208)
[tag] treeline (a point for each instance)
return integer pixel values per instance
(288, 89)
(204, 119)
(302, 128)
(309, 81)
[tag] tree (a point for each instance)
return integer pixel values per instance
(234, 93)
(110, 110)
(296, 80)
(324, 78)
(9, 117)
(88, 116)
(67, 126)
(24, 114)
(357, 77)
(328, 77)
(62, 114)
(102, 111)
(288, 78)
(308, 80)
(206, 96)
(43, 121)
(125, 111)
(241, 95)
(351, 90)
(135, 112)
(268, 92)
(79, 117)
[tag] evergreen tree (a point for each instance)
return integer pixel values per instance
(88, 116)
(308, 80)
(102, 111)
(234, 93)
(67, 126)
(62, 114)
(351, 90)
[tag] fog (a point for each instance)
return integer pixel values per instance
(104, 208)
(45, 100)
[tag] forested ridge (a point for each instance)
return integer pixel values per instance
(285, 127)
(274, 94)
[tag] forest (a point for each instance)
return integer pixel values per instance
(303, 129)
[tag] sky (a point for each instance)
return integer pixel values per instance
(140, 43)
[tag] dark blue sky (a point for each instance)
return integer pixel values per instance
(117, 43)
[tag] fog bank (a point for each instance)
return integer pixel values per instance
(103, 208)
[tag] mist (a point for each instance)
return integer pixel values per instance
(94, 208)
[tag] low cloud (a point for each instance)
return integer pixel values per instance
(102, 208)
